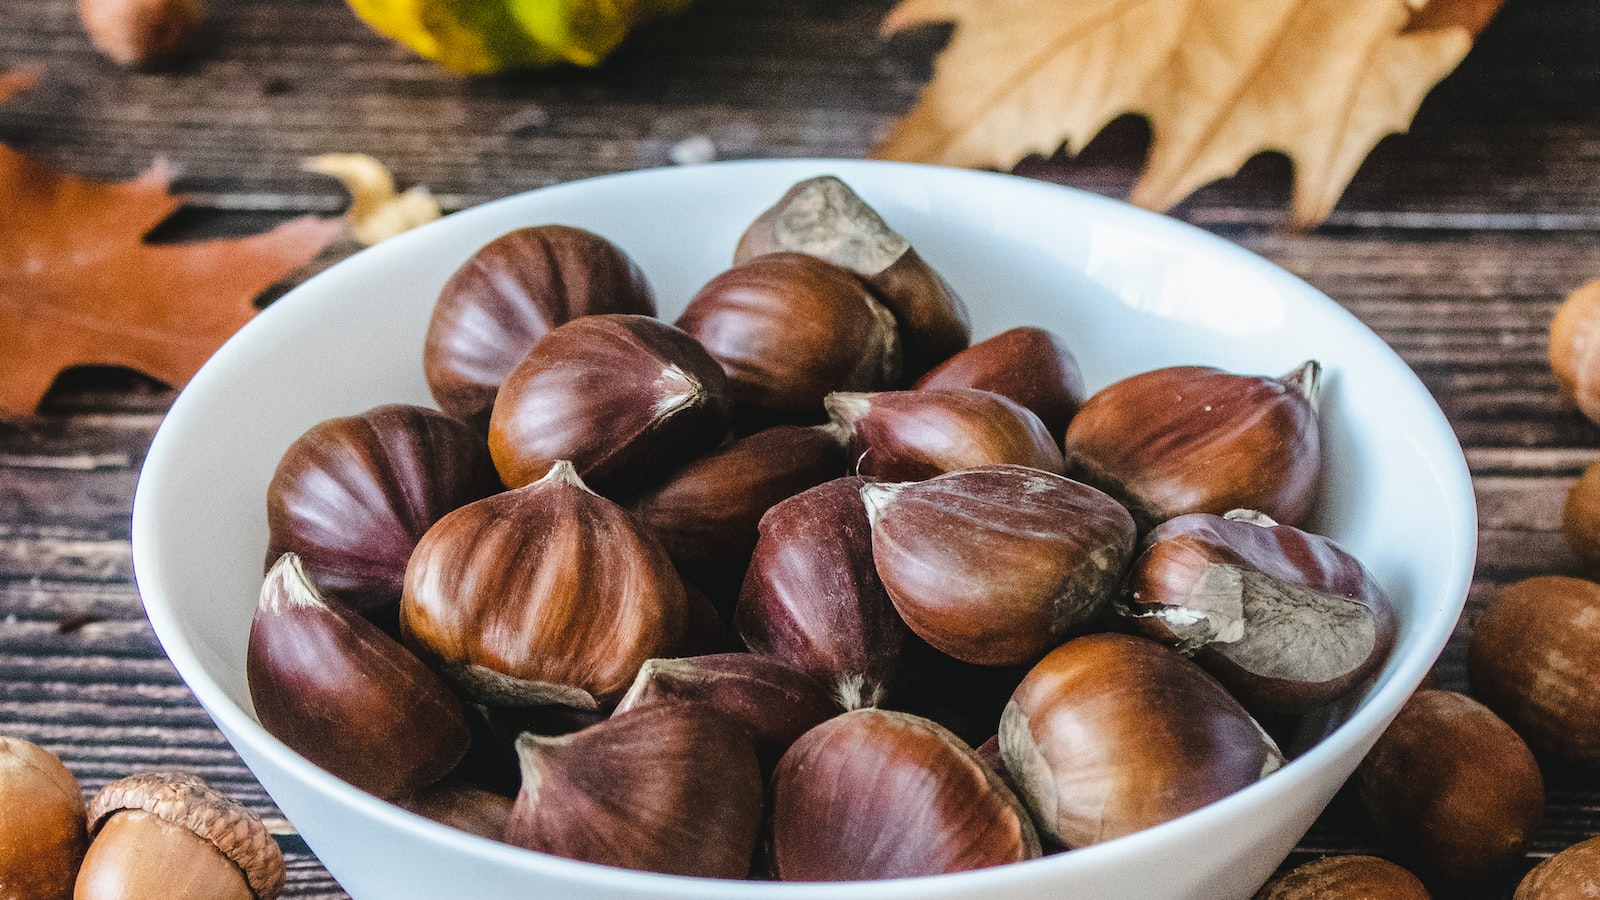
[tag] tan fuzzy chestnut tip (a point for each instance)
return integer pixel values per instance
(186, 801)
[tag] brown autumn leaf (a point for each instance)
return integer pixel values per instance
(78, 285)
(1220, 80)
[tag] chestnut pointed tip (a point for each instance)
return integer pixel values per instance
(562, 472)
(847, 408)
(677, 390)
(853, 692)
(877, 495)
(287, 587)
(1307, 379)
(1251, 516)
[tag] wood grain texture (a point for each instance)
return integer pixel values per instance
(1455, 242)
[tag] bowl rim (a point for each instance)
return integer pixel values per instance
(1434, 627)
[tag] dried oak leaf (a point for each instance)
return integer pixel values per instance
(78, 285)
(1220, 80)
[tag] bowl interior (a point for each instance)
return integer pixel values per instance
(1127, 291)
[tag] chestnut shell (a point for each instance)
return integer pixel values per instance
(508, 295)
(353, 495)
(1030, 366)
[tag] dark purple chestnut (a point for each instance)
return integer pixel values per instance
(1286, 619)
(353, 495)
(1028, 365)
(914, 435)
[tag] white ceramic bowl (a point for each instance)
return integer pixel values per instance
(1126, 289)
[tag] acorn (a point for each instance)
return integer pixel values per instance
(42, 835)
(812, 598)
(1192, 439)
(345, 695)
(1450, 788)
(1286, 619)
(1110, 734)
(878, 794)
(353, 495)
(915, 435)
(788, 329)
(507, 296)
(548, 593)
(823, 217)
(1030, 366)
(671, 788)
(1572, 873)
(624, 398)
(1037, 558)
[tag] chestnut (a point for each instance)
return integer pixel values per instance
(1531, 659)
(914, 435)
(823, 217)
(345, 695)
(463, 807)
(1111, 733)
(879, 794)
(1030, 366)
(1580, 517)
(1573, 347)
(1286, 619)
(812, 598)
(1450, 788)
(788, 329)
(548, 593)
(996, 565)
(1197, 439)
(625, 399)
(352, 496)
(1345, 878)
(671, 788)
(42, 836)
(508, 295)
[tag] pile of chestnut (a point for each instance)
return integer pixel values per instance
(804, 587)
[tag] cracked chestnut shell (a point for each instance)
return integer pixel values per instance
(812, 598)
(1030, 366)
(878, 794)
(508, 295)
(790, 328)
(996, 565)
(548, 593)
(623, 398)
(354, 494)
(825, 218)
(915, 435)
(1286, 619)
(1110, 734)
(1191, 439)
(345, 695)
(1450, 788)
(671, 788)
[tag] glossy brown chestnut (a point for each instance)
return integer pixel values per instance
(42, 836)
(812, 598)
(823, 217)
(1450, 788)
(997, 565)
(625, 399)
(462, 806)
(1028, 365)
(670, 788)
(345, 695)
(915, 435)
(548, 593)
(508, 295)
(1345, 878)
(1110, 734)
(788, 329)
(1286, 619)
(353, 495)
(1195, 439)
(1570, 874)
(1531, 659)
(1580, 517)
(706, 513)
(877, 794)
(775, 702)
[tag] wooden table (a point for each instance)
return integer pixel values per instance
(1455, 243)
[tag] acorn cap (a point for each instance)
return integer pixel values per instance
(186, 801)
